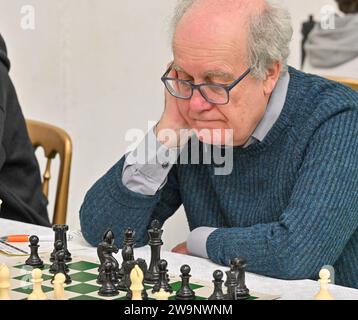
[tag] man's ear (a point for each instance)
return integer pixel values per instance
(272, 76)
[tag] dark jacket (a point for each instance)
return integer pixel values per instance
(20, 181)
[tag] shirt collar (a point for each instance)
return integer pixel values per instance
(273, 110)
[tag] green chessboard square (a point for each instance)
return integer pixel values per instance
(83, 277)
(176, 286)
(83, 288)
(84, 297)
(82, 265)
(28, 289)
(27, 277)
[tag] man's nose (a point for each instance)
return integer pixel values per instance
(198, 102)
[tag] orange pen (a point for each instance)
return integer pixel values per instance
(25, 238)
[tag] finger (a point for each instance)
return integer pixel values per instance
(175, 249)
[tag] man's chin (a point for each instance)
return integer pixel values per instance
(218, 137)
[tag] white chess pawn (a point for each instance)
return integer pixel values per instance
(4, 282)
(136, 286)
(162, 295)
(59, 287)
(324, 280)
(37, 293)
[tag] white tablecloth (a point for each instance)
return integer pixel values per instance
(200, 268)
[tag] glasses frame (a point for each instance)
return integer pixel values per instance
(198, 87)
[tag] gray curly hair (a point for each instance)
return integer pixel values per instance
(269, 37)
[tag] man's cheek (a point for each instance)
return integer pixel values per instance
(184, 112)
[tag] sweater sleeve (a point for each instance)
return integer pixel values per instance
(109, 204)
(321, 216)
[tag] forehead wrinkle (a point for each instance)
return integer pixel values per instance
(207, 45)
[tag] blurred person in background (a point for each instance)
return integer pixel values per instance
(334, 52)
(20, 181)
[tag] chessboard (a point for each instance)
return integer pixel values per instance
(84, 271)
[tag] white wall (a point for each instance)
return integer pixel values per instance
(79, 69)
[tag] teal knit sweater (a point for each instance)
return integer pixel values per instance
(290, 205)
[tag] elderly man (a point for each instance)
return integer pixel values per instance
(290, 202)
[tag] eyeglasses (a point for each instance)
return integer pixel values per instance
(218, 94)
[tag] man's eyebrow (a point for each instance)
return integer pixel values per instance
(219, 74)
(210, 74)
(178, 68)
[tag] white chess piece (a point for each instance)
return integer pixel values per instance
(37, 293)
(136, 286)
(162, 295)
(324, 280)
(59, 287)
(4, 282)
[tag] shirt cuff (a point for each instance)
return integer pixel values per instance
(146, 168)
(196, 242)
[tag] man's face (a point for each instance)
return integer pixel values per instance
(215, 51)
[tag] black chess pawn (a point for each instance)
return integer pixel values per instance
(59, 265)
(60, 258)
(185, 292)
(241, 291)
(60, 234)
(218, 283)
(231, 284)
(34, 259)
(108, 288)
(58, 246)
(129, 237)
(143, 266)
(162, 282)
(155, 243)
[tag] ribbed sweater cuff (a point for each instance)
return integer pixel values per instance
(225, 244)
(121, 194)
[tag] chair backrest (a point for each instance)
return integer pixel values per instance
(353, 83)
(54, 141)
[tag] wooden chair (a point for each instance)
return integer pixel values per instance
(353, 83)
(54, 141)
